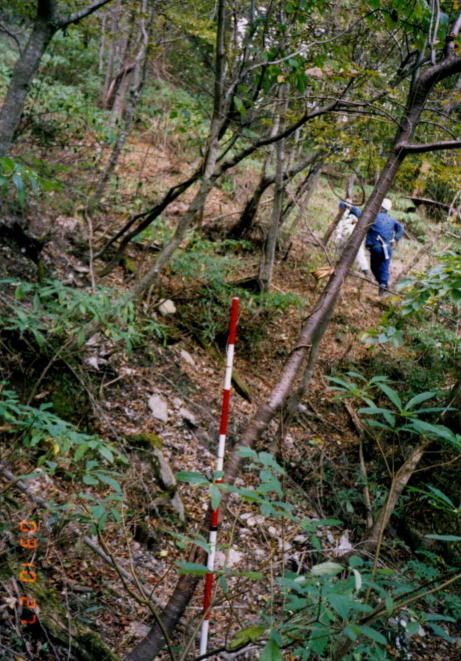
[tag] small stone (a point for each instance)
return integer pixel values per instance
(159, 408)
(167, 307)
(187, 358)
(188, 417)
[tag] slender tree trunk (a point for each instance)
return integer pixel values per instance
(195, 210)
(243, 226)
(46, 24)
(115, 13)
(139, 75)
(311, 183)
(23, 73)
(399, 483)
(266, 266)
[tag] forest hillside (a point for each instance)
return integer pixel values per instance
(230, 288)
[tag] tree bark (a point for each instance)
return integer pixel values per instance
(139, 75)
(266, 266)
(24, 71)
(46, 24)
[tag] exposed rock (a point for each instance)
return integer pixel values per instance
(159, 408)
(187, 358)
(229, 559)
(163, 471)
(167, 307)
(167, 480)
(188, 417)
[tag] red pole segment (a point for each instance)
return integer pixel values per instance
(214, 519)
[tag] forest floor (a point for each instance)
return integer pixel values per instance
(188, 378)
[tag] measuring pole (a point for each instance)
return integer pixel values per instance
(214, 519)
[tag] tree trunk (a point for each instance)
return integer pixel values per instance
(399, 483)
(266, 266)
(46, 24)
(23, 73)
(309, 187)
(139, 75)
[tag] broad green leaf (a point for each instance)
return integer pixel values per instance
(341, 604)
(271, 651)
(193, 568)
(371, 633)
(105, 452)
(215, 496)
(432, 617)
(245, 636)
(82, 448)
(445, 538)
(320, 637)
(417, 399)
(90, 480)
(191, 477)
(391, 394)
(110, 481)
(243, 451)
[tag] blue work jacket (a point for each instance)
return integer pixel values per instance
(384, 226)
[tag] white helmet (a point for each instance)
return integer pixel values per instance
(386, 204)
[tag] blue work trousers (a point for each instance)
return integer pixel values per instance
(379, 265)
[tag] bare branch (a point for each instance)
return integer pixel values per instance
(83, 13)
(13, 36)
(428, 146)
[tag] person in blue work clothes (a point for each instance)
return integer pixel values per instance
(379, 241)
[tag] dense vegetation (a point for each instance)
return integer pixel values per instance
(157, 160)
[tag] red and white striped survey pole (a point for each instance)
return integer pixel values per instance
(214, 521)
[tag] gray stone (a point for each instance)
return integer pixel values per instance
(167, 480)
(159, 407)
(167, 307)
(188, 417)
(187, 358)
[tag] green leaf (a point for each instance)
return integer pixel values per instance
(371, 633)
(191, 477)
(412, 628)
(440, 632)
(445, 538)
(248, 635)
(215, 496)
(271, 651)
(432, 617)
(82, 448)
(341, 604)
(320, 637)
(110, 481)
(193, 568)
(243, 451)
(391, 394)
(90, 480)
(327, 568)
(437, 430)
(105, 452)
(417, 399)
